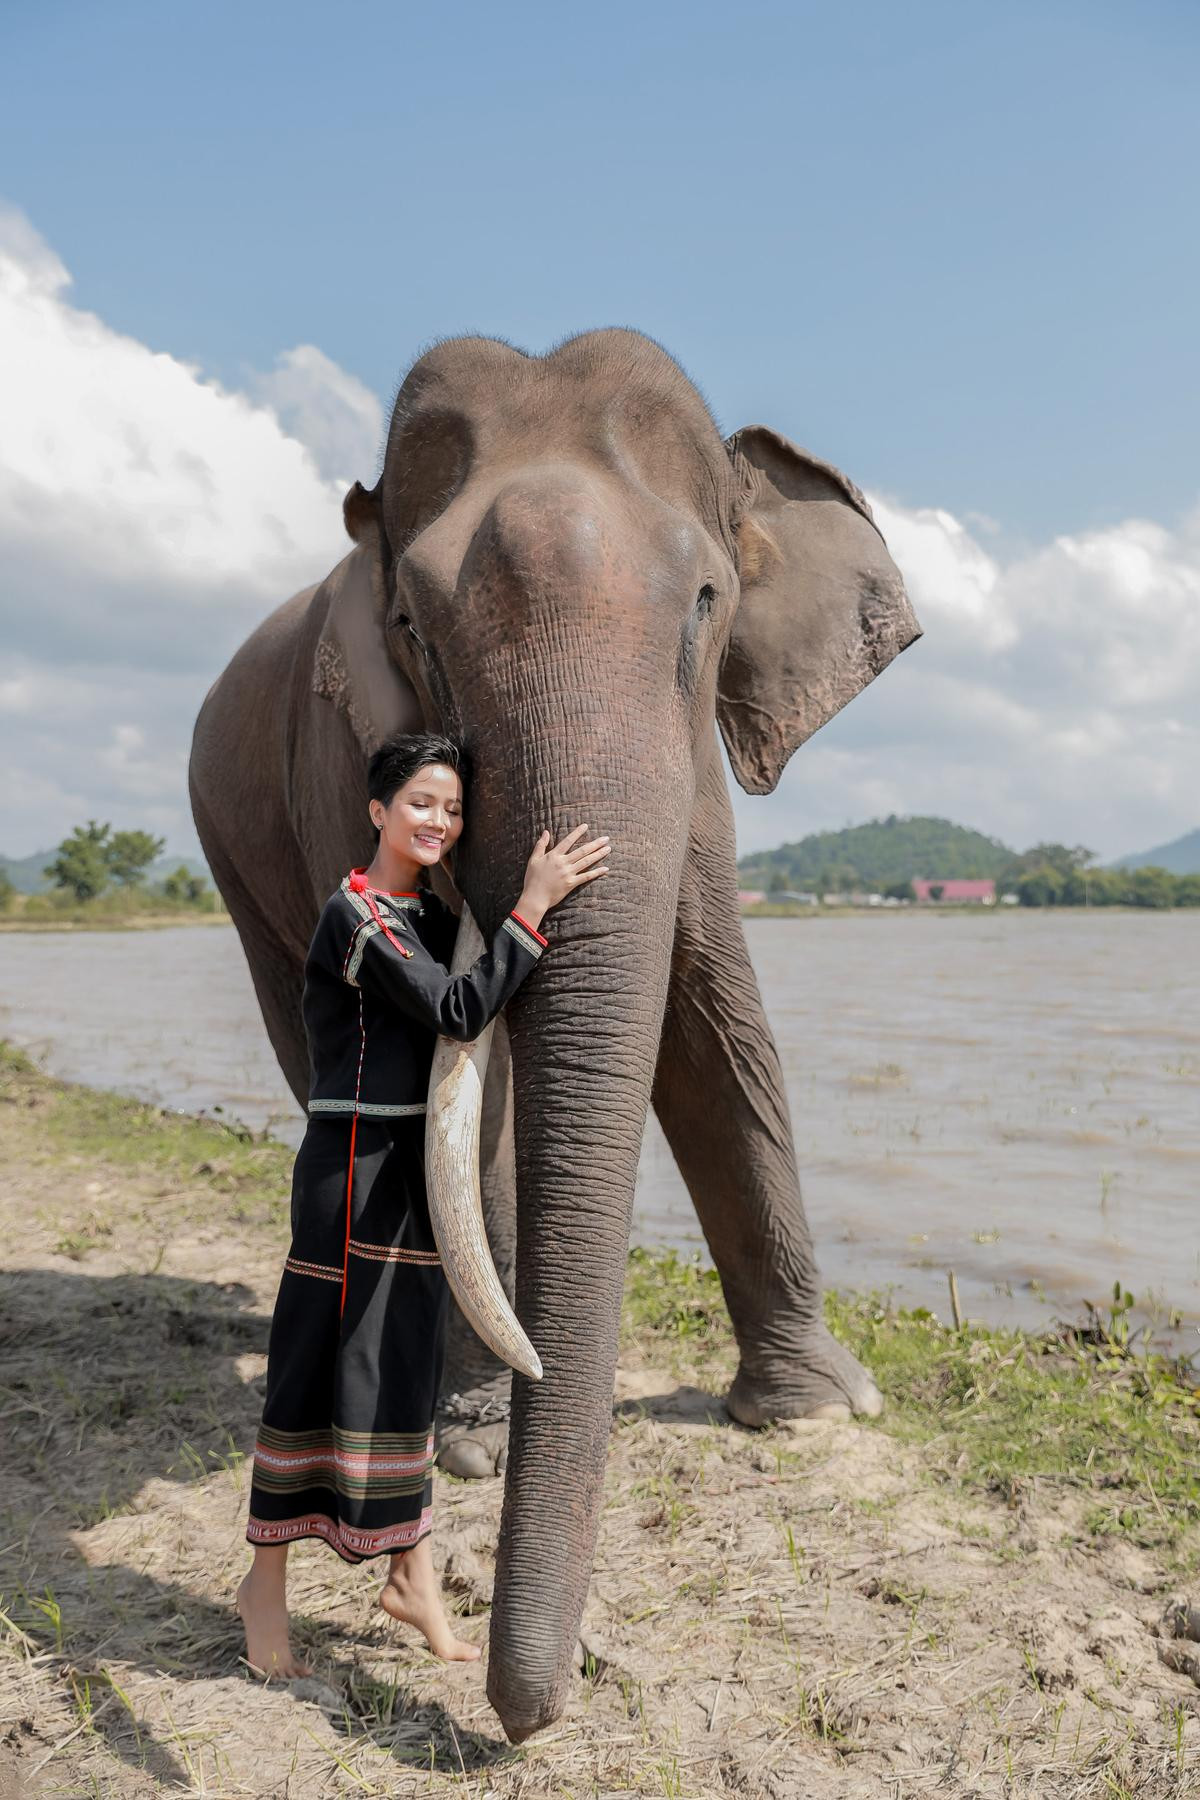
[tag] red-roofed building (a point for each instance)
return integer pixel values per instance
(981, 893)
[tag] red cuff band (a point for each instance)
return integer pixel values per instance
(530, 928)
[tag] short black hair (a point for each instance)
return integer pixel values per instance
(398, 760)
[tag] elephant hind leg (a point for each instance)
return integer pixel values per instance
(719, 1097)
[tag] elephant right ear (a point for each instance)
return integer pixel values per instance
(822, 610)
(352, 666)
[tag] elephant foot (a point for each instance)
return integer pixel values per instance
(821, 1381)
(473, 1431)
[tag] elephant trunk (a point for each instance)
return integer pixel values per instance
(585, 1037)
(571, 605)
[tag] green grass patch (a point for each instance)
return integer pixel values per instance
(1079, 1406)
(1082, 1407)
(90, 1125)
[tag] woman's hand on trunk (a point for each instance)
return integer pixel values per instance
(555, 871)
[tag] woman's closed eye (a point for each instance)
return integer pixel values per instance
(422, 804)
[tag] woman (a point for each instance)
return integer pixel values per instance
(345, 1448)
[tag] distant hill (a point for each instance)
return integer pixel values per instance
(880, 853)
(1181, 856)
(25, 872)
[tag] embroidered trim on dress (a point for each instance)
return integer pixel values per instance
(525, 922)
(356, 900)
(299, 1267)
(352, 1545)
(371, 1109)
(385, 1253)
(522, 934)
(360, 1465)
(402, 902)
(366, 928)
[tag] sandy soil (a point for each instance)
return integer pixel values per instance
(804, 1613)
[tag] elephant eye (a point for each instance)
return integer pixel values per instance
(690, 655)
(414, 634)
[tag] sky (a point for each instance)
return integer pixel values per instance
(951, 248)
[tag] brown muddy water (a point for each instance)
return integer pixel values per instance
(1014, 1096)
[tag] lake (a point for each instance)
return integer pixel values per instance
(1015, 1096)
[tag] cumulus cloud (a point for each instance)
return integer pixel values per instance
(149, 518)
(337, 416)
(145, 513)
(1052, 697)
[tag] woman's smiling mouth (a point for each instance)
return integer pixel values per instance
(428, 839)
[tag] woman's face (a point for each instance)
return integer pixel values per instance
(424, 818)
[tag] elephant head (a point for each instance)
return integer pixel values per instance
(564, 565)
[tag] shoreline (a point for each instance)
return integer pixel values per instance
(1172, 1324)
(942, 909)
(163, 921)
(146, 922)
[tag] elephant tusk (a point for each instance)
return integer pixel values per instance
(452, 1176)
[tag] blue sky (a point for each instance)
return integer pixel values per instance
(954, 246)
(951, 247)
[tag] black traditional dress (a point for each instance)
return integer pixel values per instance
(345, 1448)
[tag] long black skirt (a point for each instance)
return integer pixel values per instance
(345, 1448)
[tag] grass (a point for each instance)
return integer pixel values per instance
(1087, 1407)
(117, 909)
(89, 1126)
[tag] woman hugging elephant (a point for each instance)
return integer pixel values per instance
(565, 569)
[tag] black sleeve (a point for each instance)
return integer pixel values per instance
(403, 972)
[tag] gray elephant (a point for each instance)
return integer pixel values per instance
(565, 566)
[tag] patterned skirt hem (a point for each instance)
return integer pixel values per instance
(352, 1544)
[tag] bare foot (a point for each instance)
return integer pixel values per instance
(262, 1606)
(412, 1595)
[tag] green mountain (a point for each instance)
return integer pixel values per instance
(1181, 856)
(25, 872)
(878, 854)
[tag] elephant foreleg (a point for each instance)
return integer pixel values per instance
(720, 1098)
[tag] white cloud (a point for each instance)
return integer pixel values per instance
(149, 518)
(110, 745)
(336, 415)
(958, 579)
(143, 510)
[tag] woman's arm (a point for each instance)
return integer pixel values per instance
(399, 969)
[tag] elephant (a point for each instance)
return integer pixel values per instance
(565, 566)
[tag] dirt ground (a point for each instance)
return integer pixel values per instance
(791, 1615)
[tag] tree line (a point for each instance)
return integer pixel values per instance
(1051, 884)
(94, 861)
(886, 855)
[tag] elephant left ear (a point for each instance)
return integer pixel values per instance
(823, 608)
(352, 665)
